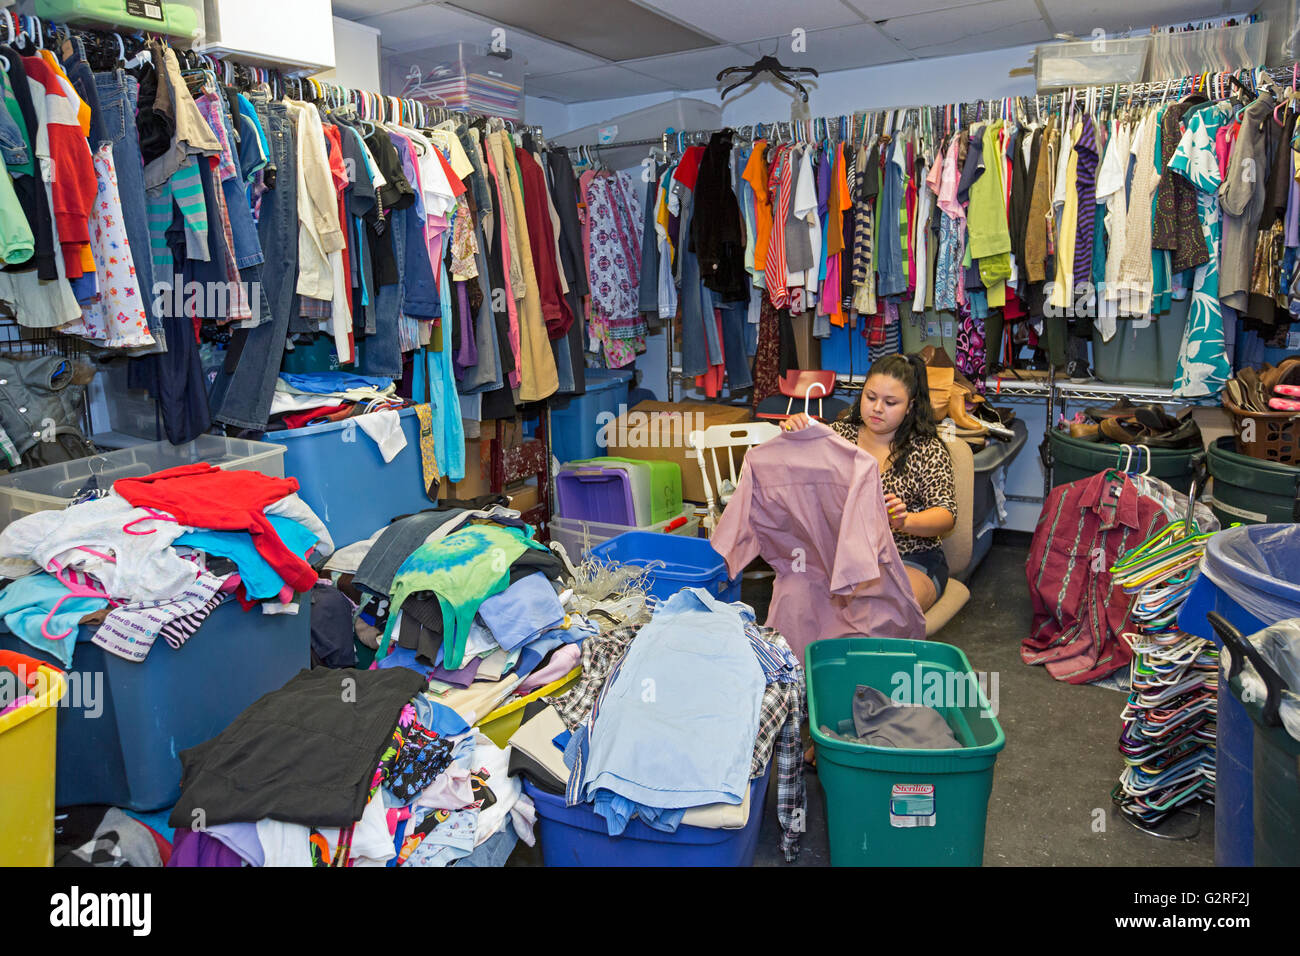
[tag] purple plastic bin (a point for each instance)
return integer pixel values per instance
(596, 494)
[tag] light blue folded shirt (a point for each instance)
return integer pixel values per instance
(677, 725)
(522, 611)
(25, 603)
(260, 579)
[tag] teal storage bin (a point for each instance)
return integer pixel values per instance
(344, 479)
(124, 723)
(1251, 490)
(894, 807)
(1074, 459)
(1143, 351)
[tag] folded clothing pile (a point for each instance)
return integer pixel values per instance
(671, 721)
(154, 556)
(463, 594)
(355, 768)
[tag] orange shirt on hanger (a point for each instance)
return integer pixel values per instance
(756, 175)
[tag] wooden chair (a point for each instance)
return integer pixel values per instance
(736, 440)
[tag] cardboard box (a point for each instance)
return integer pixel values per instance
(659, 431)
(478, 473)
(524, 496)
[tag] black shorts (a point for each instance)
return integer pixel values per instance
(933, 563)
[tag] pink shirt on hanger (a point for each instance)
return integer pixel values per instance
(811, 505)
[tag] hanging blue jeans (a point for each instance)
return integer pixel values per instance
(242, 392)
(695, 302)
(735, 318)
(383, 350)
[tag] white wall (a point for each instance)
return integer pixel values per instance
(551, 116)
(913, 83)
(356, 57)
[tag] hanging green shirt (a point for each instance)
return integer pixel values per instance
(463, 569)
(990, 238)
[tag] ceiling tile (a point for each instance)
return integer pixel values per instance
(756, 18)
(697, 70)
(361, 9)
(845, 48)
(970, 29)
(884, 9)
(1081, 17)
(420, 27)
(614, 29)
(542, 58)
(602, 83)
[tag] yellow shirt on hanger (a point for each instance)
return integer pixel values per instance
(1063, 292)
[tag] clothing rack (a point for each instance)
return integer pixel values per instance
(49, 34)
(863, 124)
(369, 105)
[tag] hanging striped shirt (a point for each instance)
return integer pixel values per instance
(775, 272)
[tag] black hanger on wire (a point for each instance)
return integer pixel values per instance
(768, 64)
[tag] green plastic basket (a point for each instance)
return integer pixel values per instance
(894, 807)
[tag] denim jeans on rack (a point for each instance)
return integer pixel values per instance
(735, 316)
(117, 93)
(248, 247)
(701, 345)
(383, 351)
(241, 395)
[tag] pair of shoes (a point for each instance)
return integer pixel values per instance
(1123, 409)
(960, 417)
(1077, 371)
(1150, 426)
(993, 419)
(1085, 431)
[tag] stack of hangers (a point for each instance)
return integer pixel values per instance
(1168, 741)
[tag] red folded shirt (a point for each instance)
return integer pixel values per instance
(204, 496)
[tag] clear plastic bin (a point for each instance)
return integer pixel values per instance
(177, 18)
(459, 76)
(579, 537)
(130, 410)
(54, 486)
(1175, 55)
(1091, 62)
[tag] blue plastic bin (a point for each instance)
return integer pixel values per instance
(844, 351)
(575, 431)
(576, 836)
(689, 563)
(345, 480)
(122, 724)
(1234, 799)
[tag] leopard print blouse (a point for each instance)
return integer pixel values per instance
(926, 481)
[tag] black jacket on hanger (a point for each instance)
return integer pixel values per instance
(717, 230)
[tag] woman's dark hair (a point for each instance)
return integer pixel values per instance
(918, 423)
